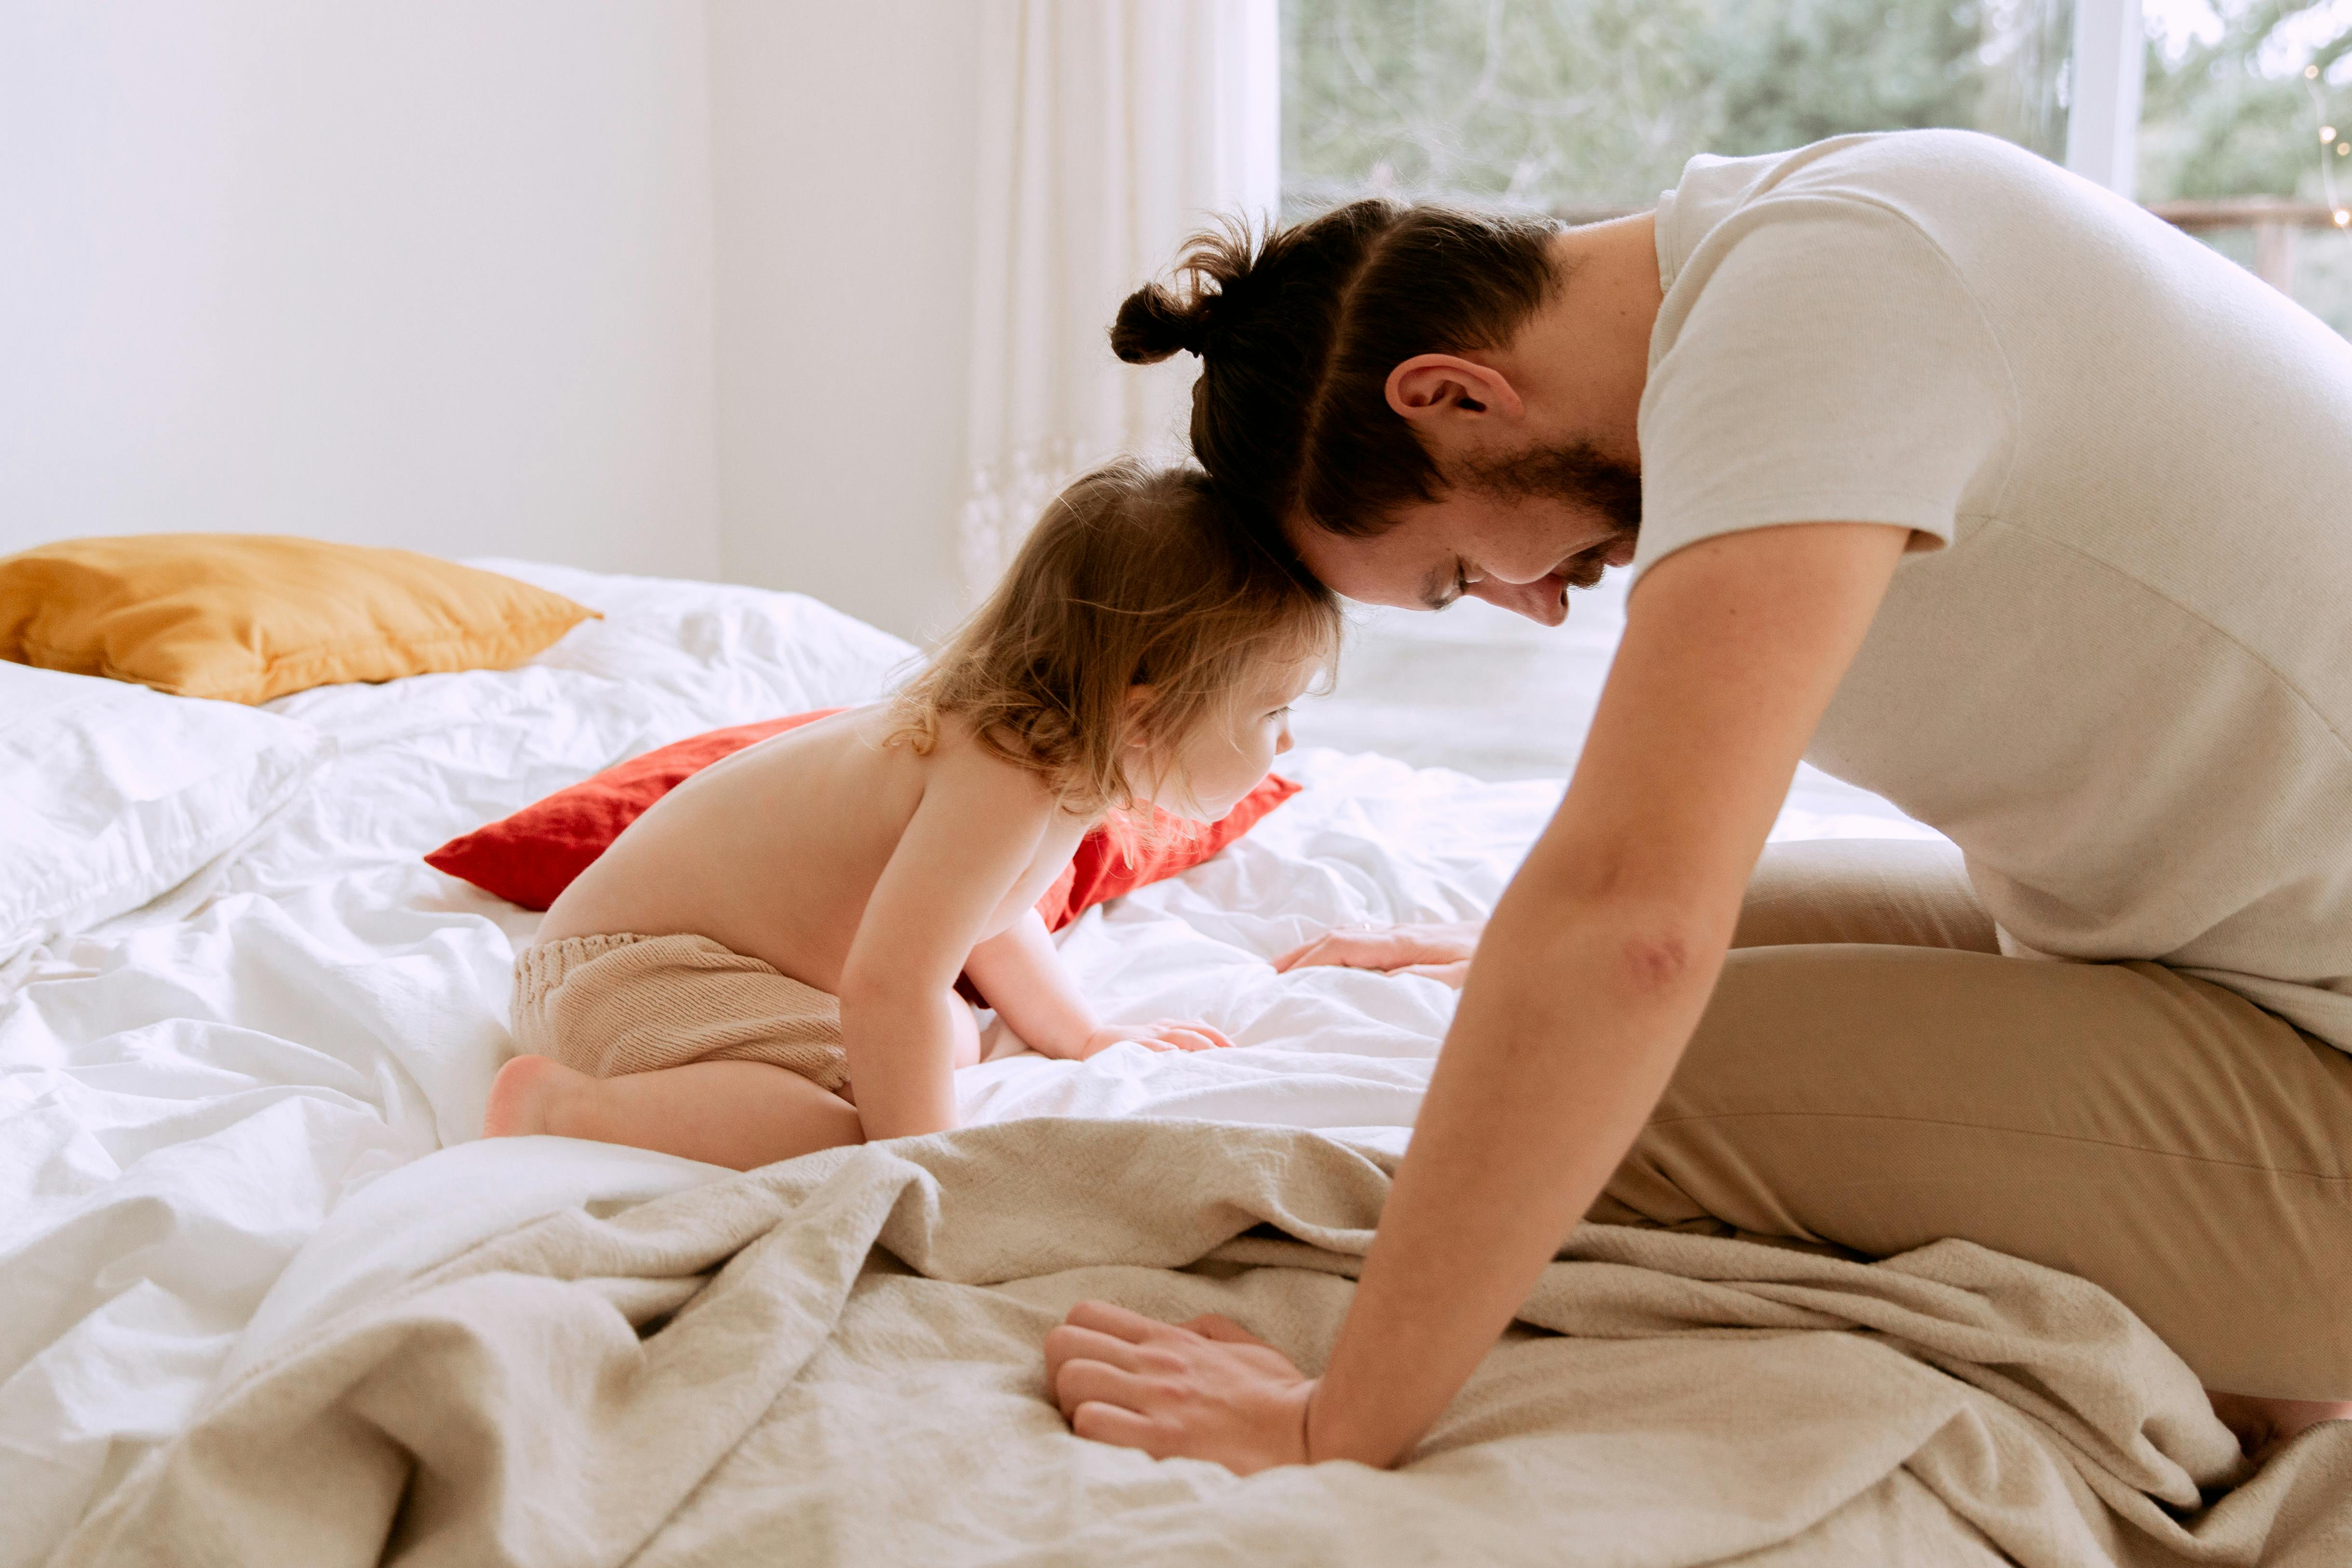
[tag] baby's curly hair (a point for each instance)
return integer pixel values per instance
(1134, 576)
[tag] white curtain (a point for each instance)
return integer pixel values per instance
(1109, 130)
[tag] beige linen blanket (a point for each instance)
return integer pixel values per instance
(836, 1361)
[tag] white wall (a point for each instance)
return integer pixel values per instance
(843, 164)
(649, 285)
(423, 272)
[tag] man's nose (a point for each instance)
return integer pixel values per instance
(1543, 600)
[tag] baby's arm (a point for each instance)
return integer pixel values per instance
(1024, 979)
(977, 828)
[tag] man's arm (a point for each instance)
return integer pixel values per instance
(1437, 950)
(1586, 988)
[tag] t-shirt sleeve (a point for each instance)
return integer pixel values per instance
(1827, 364)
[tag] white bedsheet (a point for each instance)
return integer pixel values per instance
(187, 1096)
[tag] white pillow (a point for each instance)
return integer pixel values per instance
(112, 795)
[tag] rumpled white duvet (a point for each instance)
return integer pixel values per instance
(216, 1117)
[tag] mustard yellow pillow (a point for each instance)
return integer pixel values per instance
(247, 617)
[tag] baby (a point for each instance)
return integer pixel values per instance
(764, 963)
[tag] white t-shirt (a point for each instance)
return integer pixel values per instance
(2117, 669)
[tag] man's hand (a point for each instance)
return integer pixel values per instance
(1200, 1390)
(1439, 952)
(1168, 1034)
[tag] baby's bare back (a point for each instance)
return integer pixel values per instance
(772, 852)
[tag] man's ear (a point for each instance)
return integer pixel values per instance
(1429, 389)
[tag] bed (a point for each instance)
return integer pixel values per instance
(238, 1138)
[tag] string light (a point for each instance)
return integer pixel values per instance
(2342, 214)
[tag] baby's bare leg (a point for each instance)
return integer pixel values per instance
(741, 1114)
(966, 1024)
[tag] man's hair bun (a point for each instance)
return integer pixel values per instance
(1215, 273)
(1154, 323)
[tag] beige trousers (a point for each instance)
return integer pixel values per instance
(1872, 1075)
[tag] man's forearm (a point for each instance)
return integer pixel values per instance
(1571, 1026)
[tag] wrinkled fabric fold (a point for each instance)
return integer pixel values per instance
(836, 1360)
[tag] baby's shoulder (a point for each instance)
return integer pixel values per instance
(962, 763)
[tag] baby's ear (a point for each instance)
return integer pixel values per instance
(1139, 698)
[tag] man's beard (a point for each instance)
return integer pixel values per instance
(1576, 476)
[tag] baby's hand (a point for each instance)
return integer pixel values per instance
(1165, 1035)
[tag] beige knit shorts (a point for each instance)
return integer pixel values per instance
(616, 1004)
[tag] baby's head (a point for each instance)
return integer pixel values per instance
(1143, 647)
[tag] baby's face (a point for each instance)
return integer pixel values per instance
(1228, 755)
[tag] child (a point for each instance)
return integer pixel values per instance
(764, 963)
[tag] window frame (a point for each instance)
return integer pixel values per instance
(2106, 72)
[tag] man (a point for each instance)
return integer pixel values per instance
(1976, 487)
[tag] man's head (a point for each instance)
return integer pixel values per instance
(1388, 387)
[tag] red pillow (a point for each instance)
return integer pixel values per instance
(1115, 859)
(532, 856)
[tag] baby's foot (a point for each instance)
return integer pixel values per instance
(2263, 1426)
(523, 1096)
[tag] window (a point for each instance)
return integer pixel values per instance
(1585, 108)
(2246, 138)
(1590, 106)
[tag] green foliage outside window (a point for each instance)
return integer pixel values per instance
(1583, 107)
(2235, 115)
(1592, 104)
